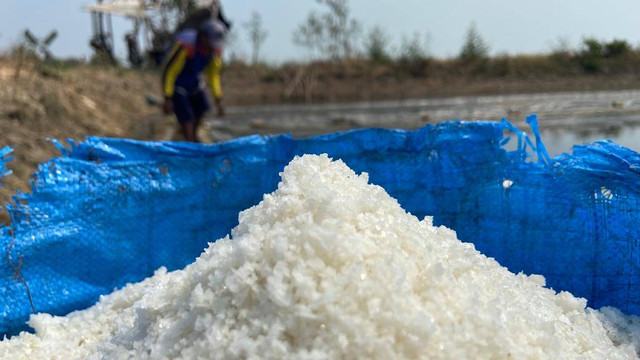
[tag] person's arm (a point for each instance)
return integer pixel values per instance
(213, 74)
(172, 69)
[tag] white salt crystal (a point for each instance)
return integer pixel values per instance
(330, 267)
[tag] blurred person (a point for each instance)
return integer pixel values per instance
(195, 52)
(205, 10)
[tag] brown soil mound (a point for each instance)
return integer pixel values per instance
(39, 102)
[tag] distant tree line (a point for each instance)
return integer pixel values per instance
(593, 53)
(334, 34)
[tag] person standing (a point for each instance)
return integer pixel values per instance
(195, 52)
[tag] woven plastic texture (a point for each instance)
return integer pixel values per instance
(4, 159)
(111, 211)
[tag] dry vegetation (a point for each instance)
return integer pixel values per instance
(365, 80)
(73, 100)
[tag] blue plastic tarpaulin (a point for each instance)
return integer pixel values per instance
(111, 211)
(4, 159)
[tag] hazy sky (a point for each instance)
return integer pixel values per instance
(513, 26)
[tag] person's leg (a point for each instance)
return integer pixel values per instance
(189, 131)
(185, 114)
(200, 105)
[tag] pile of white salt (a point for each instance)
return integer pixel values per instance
(330, 267)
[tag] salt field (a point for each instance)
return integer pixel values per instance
(566, 119)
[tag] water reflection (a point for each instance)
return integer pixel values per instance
(566, 119)
(561, 141)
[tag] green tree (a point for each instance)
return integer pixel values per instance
(414, 50)
(592, 47)
(413, 54)
(377, 45)
(591, 55)
(616, 48)
(474, 47)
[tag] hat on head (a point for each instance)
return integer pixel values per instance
(214, 32)
(209, 4)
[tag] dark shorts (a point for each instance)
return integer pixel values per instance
(190, 106)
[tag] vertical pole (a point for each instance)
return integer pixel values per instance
(94, 23)
(110, 29)
(100, 27)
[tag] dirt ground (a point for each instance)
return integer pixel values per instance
(39, 102)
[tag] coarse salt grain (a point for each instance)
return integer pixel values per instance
(329, 266)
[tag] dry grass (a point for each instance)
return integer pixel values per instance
(364, 80)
